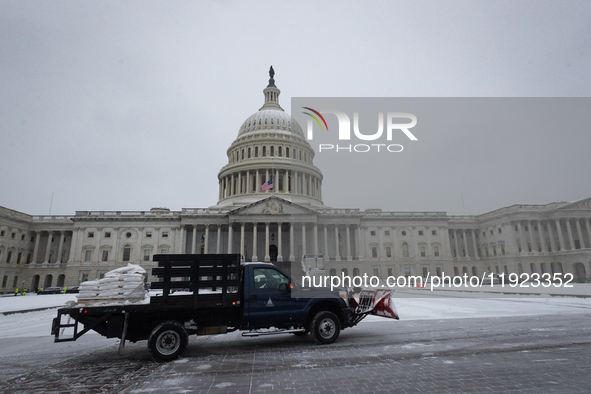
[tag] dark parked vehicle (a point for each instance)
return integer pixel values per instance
(51, 290)
(72, 290)
(224, 296)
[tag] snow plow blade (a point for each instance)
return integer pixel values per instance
(377, 303)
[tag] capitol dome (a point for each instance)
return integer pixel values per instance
(271, 153)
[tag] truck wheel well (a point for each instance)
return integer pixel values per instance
(324, 306)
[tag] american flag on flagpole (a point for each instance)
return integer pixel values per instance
(267, 185)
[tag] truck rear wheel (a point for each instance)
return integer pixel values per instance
(168, 341)
(325, 327)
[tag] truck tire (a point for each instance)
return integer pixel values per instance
(168, 341)
(325, 327)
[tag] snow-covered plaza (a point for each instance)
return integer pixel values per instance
(442, 344)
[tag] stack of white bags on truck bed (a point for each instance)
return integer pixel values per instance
(124, 284)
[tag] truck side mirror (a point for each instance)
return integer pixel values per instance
(284, 288)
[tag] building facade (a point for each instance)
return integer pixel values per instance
(289, 223)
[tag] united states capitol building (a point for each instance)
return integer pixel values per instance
(289, 223)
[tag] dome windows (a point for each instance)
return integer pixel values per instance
(272, 151)
(279, 151)
(256, 151)
(249, 153)
(264, 151)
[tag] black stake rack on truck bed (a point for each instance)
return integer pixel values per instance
(212, 285)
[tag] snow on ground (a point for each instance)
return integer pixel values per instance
(33, 301)
(38, 323)
(455, 308)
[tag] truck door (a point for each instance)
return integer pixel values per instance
(269, 302)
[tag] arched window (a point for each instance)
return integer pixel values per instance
(256, 151)
(272, 151)
(404, 249)
(249, 153)
(264, 151)
(333, 272)
(300, 155)
(287, 152)
(279, 151)
(355, 271)
(242, 154)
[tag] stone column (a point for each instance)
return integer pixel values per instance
(542, 238)
(279, 250)
(349, 257)
(531, 236)
(258, 185)
(182, 243)
(291, 243)
(267, 191)
(475, 244)
(356, 240)
(116, 247)
(36, 249)
(315, 234)
(232, 188)
(304, 239)
(551, 235)
(248, 181)
(588, 230)
(206, 246)
(242, 240)
(361, 240)
(521, 239)
(456, 242)
(466, 254)
(139, 248)
(325, 242)
(560, 238)
(72, 246)
(267, 257)
(219, 242)
(240, 183)
(230, 233)
(97, 245)
(570, 234)
(254, 242)
(60, 248)
(295, 182)
(194, 239)
(336, 241)
(276, 181)
(48, 248)
(580, 234)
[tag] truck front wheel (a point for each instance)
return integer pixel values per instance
(168, 341)
(325, 327)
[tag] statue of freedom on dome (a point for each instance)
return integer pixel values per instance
(271, 80)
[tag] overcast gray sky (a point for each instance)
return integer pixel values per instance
(128, 105)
